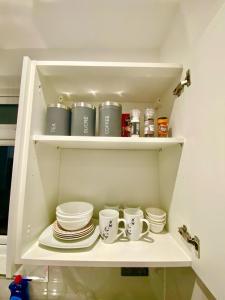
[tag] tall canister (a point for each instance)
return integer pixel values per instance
(110, 119)
(83, 119)
(58, 119)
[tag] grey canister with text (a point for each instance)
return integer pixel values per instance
(110, 119)
(83, 119)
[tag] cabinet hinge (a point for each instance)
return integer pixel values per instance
(186, 82)
(195, 241)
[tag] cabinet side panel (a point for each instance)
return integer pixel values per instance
(18, 163)
(198, 198)
(42, 177)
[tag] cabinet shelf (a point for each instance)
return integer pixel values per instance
(116, 143)
(163, 251)
(124, 81)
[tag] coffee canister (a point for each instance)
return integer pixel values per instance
(83, 119)
(110, 119)
(58, 119)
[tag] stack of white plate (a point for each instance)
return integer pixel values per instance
(156, 218)
(74, 220)
(62, 234)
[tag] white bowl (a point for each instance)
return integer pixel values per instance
(156, 220)
(156, 228)
(155, 213)
(74, 217)
(75, 208)
(73, 225)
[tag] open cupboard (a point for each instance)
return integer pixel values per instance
(101, 170)
(171, 172)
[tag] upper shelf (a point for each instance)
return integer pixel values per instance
(98, 142)
(100, 81)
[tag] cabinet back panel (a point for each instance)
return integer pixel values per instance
(109, 176)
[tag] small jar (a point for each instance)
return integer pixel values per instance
(163, 123)
(149, 129)
(135, 122)
(58, 119)
(83, 119)
(125, 130)
(110, 119)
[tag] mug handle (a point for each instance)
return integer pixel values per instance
(148, 227)
(123, 230)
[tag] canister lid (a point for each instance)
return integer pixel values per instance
(59, 105)
(83, 104)
(110, 103)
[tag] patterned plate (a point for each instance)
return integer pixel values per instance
(71, 238)
(58, 229)
(74, 235)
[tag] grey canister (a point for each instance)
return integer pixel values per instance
(58, 119)
(83, 119)
(110, 119)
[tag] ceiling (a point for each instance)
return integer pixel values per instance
(82, 24)
(129, 30)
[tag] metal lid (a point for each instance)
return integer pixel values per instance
(83, 104)
(59, 105)
(109, 103)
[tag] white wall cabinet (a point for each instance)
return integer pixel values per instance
(183, 174)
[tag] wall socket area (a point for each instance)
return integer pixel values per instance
(134, 272)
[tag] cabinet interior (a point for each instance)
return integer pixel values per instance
(54, 174)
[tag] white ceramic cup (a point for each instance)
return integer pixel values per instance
(134, 223)
(109, 225)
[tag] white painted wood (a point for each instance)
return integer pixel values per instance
(9, 100)
(7, 142)
(16, 198)
(3, 239)
(2, 259)
(46, 175)
(109, 177)
(198, 195)
(163, 251)
(120, 81)
(97, 142)
(7, 131)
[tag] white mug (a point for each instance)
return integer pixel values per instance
(113, 206)
(109, 225)
(134, 223)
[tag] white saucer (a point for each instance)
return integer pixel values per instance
(47, 239)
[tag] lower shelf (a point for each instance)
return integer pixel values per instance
(160, 251)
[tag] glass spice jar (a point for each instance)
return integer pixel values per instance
(149, 126)
(163, 123)
(135, 122)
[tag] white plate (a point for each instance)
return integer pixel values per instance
(47, 239)
(71, 238)
(58, 231)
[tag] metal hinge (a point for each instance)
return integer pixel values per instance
(186, 82)
(191, 240)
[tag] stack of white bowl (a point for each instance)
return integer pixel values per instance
(74, 216)
(156, 218)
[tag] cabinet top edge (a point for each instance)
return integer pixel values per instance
(46, 63)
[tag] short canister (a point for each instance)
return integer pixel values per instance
(83, 119)
(110, 119)
(58, 119)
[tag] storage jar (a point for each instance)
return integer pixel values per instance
(58, 119)
(110, 119)
(83, 119)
